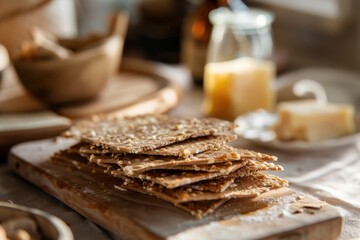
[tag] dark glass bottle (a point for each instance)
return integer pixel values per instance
(196, 37)
(159, 29)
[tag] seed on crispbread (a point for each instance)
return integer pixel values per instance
(183, 149)
(142, 133)
(249, 186)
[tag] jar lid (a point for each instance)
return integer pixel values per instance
(247, 19)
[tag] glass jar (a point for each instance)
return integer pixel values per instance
(239, 73)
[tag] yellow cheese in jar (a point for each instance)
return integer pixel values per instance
(238, 86)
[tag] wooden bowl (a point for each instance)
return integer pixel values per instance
(51, 227)
(80, 77)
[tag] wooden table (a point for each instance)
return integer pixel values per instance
(21, 192)
(17, 190)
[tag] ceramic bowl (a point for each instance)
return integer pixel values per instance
(51, 227)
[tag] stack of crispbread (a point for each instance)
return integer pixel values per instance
(183, 161)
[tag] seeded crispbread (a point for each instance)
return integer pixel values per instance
(214, 185)
(139, 163)
(216, 167)
(70, 159)
(185, 148)
(220, 184)
(249, 186)
(174, 179)
(75, 161)
(142, 133)
(134, 164)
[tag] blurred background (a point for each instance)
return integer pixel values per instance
(306, 33)
(319, 38)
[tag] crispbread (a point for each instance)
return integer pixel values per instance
(249, 186)
(185, 148)
(71, 159)
(214, 185)
(134, 164)
(174, 179)
(220, 184)
(183, 161)
(142, 133)
(192, 146)
(255, 166)
(216, 167)
(248, 154)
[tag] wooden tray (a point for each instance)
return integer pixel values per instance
(130, 215)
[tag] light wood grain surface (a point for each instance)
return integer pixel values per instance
(130, 215)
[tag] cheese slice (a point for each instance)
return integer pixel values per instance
(310, 121)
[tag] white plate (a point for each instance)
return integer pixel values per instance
(340, 86)
(256, 127)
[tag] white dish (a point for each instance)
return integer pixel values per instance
(51, 227)
(341, 86)
(256, 127)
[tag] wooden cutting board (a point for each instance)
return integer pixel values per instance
(282, 214)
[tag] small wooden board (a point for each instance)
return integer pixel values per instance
(274, 215)
(140, 87)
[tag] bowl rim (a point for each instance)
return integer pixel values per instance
(64, 232)
(95, 51)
